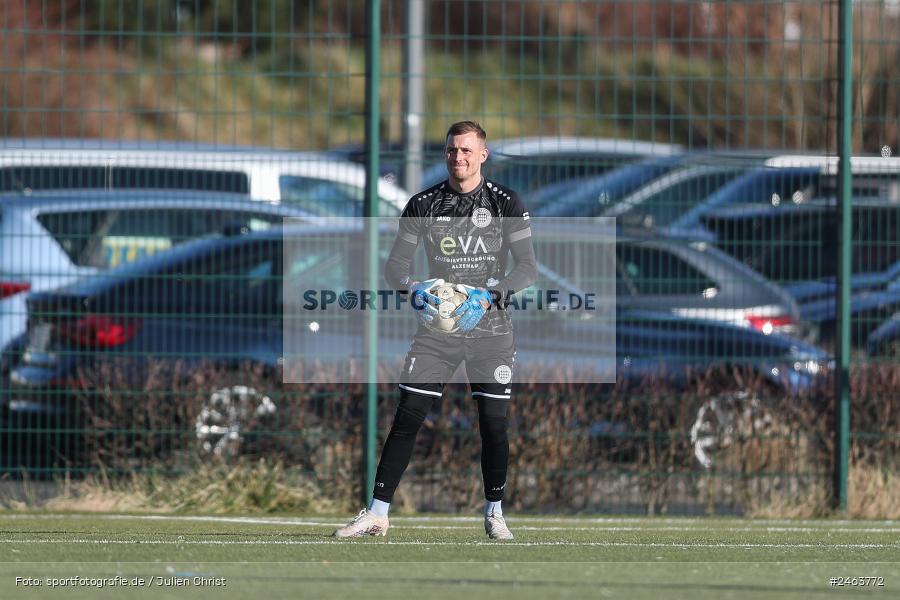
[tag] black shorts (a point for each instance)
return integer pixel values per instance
(433, 358)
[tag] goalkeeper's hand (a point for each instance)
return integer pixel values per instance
(470, 312)
(423, 301)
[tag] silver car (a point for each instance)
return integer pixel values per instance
(687, 278)
(51, 239)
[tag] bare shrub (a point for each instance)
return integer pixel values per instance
(612, 447)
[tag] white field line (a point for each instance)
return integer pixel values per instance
(475, 522)
(688, 546)
(645, 521)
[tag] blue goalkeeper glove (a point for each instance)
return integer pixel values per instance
(470, 312)
(423, 301)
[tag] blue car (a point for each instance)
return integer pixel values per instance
(885, 339)
(590, 196)
(786, 180)
(676, 195)
(795, 246)
(650, 191)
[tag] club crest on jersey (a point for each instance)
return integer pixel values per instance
(481, 217)
(503, 374)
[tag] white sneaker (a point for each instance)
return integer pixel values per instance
(365, 523)
(495, 527)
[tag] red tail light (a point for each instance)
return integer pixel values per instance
(11, 288)
(99, 331)
(772, 324)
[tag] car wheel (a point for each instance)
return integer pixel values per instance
(228, 416)
(724, 419)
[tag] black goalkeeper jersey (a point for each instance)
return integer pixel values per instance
(467, 239)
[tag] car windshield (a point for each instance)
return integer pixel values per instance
(771, 187)
(524, 174)
(589, 197)
(659, 208)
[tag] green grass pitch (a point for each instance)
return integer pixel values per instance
(263, 558)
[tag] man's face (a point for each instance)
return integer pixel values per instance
(465, 154)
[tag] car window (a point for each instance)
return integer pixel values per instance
(15, 179)
(654, 271)
(624, 286)
(100, 177)
(776, 187)
(108, 238)
(797, 244)
(73, 231)
(666, 205)
(320, 268)
(241, 280)
(181, 179)
(591, 196)
(786, 247)
(864, 185)
(326, 198)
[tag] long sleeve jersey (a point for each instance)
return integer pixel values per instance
(468, 239)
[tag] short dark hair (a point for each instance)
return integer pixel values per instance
(464, 127)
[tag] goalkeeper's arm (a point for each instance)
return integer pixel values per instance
(523, 274)
(399, 264)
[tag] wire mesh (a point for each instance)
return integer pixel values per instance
(151, 150)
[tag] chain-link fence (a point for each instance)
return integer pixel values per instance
(152, 150)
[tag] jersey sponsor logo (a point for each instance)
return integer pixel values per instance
(449, 245)
(443, 218)
(481, 217)
(503, 374)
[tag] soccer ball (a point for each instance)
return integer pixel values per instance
(451, 298)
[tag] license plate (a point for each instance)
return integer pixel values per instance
(39, 338)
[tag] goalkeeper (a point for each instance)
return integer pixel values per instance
(469, 226)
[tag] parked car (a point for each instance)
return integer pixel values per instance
(49, 239)
(659, 203)
(795, 246)
(590, 196)
(789, 180)
(642, 186)
(315, 182)
(527, 164)
(148, 310)
(690, 279)
(885, 339)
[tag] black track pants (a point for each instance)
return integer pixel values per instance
(431, 361)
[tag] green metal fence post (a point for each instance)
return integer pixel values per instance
(373, 82)
(842, 362)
